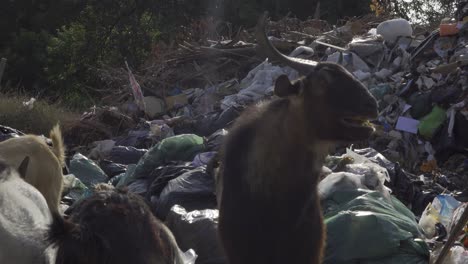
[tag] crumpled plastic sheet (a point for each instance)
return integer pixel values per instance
(215, 140)
(259, 82)
(194, 190)
(160, 176)
(73, 187)
(126, 155)
(210, 123)
(351, 61)
(456, 255)
(202, 159)
(112, 169)
(8, 132)
(198, 230)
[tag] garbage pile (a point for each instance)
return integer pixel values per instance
(405, 190)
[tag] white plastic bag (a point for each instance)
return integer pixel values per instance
(189, 257)
(394, 28)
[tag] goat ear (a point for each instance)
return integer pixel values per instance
(284, 87)
(23, 167)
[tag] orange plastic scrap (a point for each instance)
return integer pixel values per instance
(429, 166)
(448, 29)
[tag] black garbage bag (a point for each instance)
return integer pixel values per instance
(126, 155)
(112, 169)
(445, 146)
(215, 140)
(421, 103)
(8, 132)
(194, 190)
(136, 138)
(210, 123)
(139, 186)
(445, 95)
(410, 190)
(197, 230)
(163, 174)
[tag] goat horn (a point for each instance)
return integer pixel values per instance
(301, 65)
(23, 167)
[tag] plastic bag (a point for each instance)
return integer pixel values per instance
(73, 187)
(394, 28)
(188, 257)
(429, 218)
(8, 132)
(364, 228)
(112, 169)
(376, 163)
(160, 131)
(163, 174)
(197, 230)
(102, 149)
(368, 176)
(445, 206)
(456, 255)
(431, 122)
(136, 138)
(139, 187)
(258, 83)
(203, 158)
(194, 190)
(86, 170)
(208, 124)
(177, 148)
(339, 181)
(126, 155)
(215, 140)
(351, 61)
(126, 178)
(380, 90)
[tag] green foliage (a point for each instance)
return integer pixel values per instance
(246, 12)
(419, 11)
(26, 56)
(55, 48)
(106, 33)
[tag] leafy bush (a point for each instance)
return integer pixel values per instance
(104, 34)
(417, 11)
(26, 58)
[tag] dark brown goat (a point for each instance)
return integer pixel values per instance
(272, 157)
(115, 227)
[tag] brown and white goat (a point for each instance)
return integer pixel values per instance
(113, 227)
(45, 163)
(24, 220)
(272, 158)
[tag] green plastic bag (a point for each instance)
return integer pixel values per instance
(87, 170)
(177, 148)
(73, 187)
(380, 90)
(431, 122)
(365, 227)
(125, 178)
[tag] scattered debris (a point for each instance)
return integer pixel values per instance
(161, 145)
